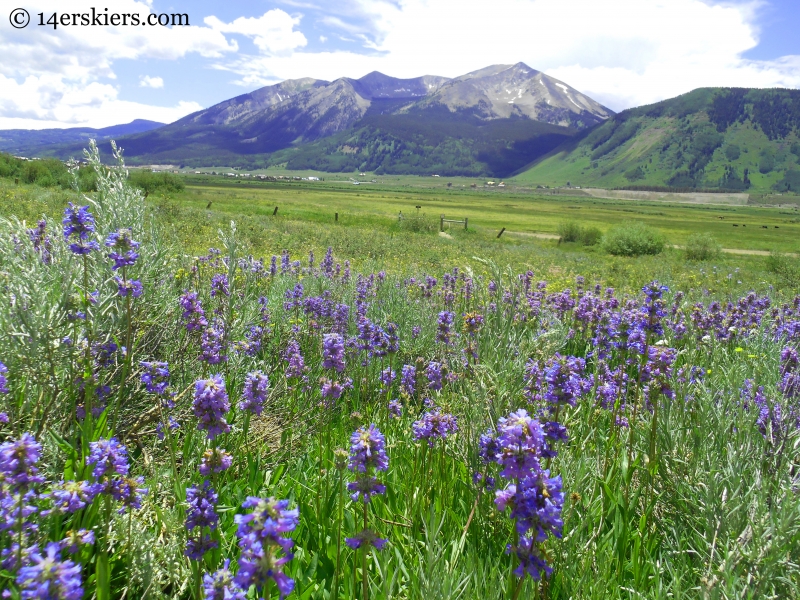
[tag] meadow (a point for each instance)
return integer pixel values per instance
(365, 409)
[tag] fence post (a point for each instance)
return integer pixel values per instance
(501, 233)
(275, 212)
(465, 223)
(441, 223)
(336, 217)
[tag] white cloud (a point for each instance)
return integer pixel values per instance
(50, 77)
(151, 82)
(40, 102)
(272, 32)
(623, 53)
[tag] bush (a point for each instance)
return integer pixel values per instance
(419, 224)
(569, 231)
(702, 246)
(634, 174)
(634, 239)
(590, 236)
(156, 182)
(733, 152)
(785, 267)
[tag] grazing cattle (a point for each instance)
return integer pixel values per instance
(735, 225)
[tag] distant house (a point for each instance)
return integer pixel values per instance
(501, 184)
(490, 183)
(313, 178)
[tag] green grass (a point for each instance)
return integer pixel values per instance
(378, 205)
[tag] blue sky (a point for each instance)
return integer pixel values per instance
(621, 52)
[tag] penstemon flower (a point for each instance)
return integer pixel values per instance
(434, 425)
(123, 249)
(78, 229)
(367, 454)
(211, 405)
(256, 388)
(534, 498)
(265, 548)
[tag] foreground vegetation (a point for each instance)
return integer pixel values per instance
(196, 427)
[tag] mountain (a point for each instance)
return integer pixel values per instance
(492, 121)
(504, 91)
(727, 138)
(30, 141)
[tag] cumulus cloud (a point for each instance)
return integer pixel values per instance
(50, 77)
(273, 32)
(48, 101)
(623, 53)
(151, 82)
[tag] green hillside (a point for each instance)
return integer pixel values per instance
(713, 138)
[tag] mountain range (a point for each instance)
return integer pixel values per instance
(490, 121)
(27, 142)
(499, 121)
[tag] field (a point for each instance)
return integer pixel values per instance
(489, 210)
(373, 410)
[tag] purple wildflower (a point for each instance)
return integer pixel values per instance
(444, 327)
(387, 379)
(333, 352)
(3, 381)
(49, 577)
(296, 367)
(333, 390)
(193, 313)
(123, 247)
(365, 538)
(433, 425)
(395, 409)
(408, 379)
(434, 374)
(129, 492)
(72, 496)
(128, 287)
(74, 539)
(215, 461)
(79, 226)
(109, 458)
(200, 514)
(256, 388)
(261, 539)
(18, 460)
(41, 241)
(155, 376)
(534, 498)
(210, 406)
(212, 344)
(367, 450)
(220, 585)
